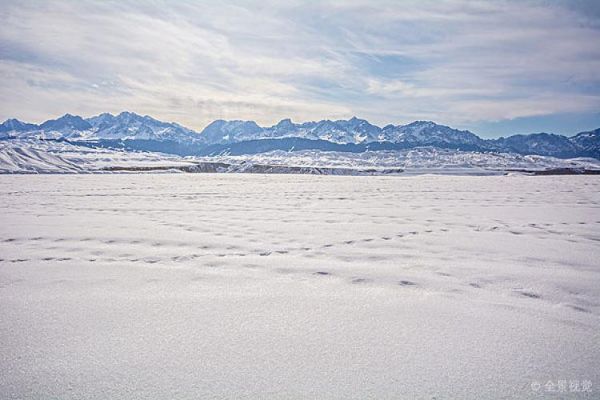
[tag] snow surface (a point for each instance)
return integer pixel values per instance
(292, 286)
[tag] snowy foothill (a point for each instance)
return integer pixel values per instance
(46, 156)
(416, 161)
(188, 286)
(26, 156)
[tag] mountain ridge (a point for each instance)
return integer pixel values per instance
(354, 134)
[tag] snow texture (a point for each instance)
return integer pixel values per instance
(290, 286)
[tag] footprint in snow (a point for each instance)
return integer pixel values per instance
(406, 283)
(578, 308)
(530, 295)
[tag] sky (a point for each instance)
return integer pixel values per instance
(494, 67)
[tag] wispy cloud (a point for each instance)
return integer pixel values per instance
(458, 61)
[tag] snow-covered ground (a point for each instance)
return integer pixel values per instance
(291, 286)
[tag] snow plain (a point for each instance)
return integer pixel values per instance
(187, 286)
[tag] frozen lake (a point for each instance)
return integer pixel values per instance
(291, 286)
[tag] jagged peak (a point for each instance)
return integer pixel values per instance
(66, 117)
(104, 115)
(423, 123)
(127, 114)
(592, 133)
(536, 134)
(285, 122)
(12, 121)
(355, 121)
(218, 122)
(13, 124)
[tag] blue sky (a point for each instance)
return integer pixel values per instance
(495, 67)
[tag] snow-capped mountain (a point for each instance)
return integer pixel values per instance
(66, 123)
(131, 131)
(539, 143)
(363, 130)
(66, 127)
(589, 142)
(429, 133)
(14, 125)
(128, 125)
(359, 135)
(353, 130)
(221, 132)
(124, 126)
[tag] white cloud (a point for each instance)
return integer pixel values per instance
(192, 62)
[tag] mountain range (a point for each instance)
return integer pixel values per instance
(135, 132)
